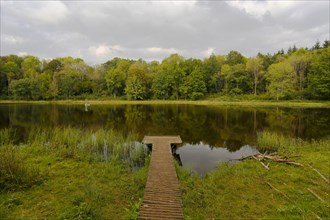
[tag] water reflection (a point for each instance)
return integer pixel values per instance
(203, 158)
(223, 129)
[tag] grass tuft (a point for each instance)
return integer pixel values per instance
(14, 173)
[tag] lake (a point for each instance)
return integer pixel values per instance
(210, 134)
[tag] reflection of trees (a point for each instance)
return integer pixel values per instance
(135, 118)
(221, 126)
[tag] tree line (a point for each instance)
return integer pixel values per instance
(296, 74)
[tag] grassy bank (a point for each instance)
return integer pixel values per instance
(213, 102)
(69, 173)
(247, 190)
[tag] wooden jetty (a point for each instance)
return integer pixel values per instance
(162, 196)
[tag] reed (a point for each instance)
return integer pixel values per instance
(7, 136)
(271, 142)
(99, 145)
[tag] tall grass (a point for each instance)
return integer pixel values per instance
(271, 142)
(65, 142)
(7, 136)
(99, 145)
(274, 142)
(14, 172)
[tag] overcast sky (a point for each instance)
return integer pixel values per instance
(98, 31)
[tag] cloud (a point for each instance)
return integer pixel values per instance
(101, 50)
(48, 12)
(259, 9)
(208, 52)
(22, 54)
(101, 30)
(9, 39)
(40, 12)
(162, 50)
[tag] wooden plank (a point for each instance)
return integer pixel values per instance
(162, 196)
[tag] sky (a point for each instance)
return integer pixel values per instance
(98, 31)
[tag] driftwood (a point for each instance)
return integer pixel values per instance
(273, 157)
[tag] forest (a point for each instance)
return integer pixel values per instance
(298, 73)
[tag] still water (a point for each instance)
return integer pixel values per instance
(210, 134)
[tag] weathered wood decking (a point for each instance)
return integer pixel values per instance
(162, 196)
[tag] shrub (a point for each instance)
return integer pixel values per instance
(14, 173)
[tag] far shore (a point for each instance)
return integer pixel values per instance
(250, 103)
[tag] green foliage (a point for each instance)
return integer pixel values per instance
(281, 80)
(254, 66)
(319, 75)
(193, 86)
(136, 87)
(303, 72)
(31, 66)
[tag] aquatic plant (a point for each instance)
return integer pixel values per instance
(7, 136)
(98, 145)
(271, 141)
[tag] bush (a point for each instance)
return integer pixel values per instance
(197, 95)
(14, 173)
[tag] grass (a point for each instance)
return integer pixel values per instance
(209, 102)
(66, 173)
(247, 190)
(70, 173)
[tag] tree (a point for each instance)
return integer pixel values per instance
(211, 66)
(20, 88)
(194, 86)
(116, 77)
(53, 66)
(31, 67)
(234, 58)
(317, 45)
(69, 82)
(10, 72)
(239, 80)
(168, 79)
(136, 84)
(281, 79)
(254, 65)
(319, 75)
(226, 74)
(300, 62)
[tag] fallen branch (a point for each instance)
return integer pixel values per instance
(317, 196)
(277, 190)
(273, 157)
(318, 172)
(262, 163)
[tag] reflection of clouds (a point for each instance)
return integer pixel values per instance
(203, 157)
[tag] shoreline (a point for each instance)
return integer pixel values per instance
(252, 103)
